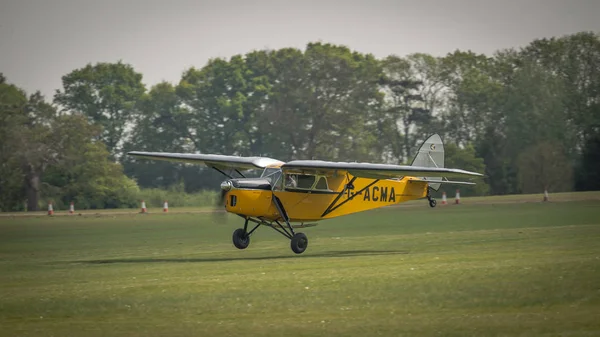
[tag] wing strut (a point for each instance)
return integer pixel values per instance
(228, 175)
(223, 173)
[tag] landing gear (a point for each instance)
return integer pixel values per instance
(241, 236)
(241, 239)
(432, 202)
(299, 243)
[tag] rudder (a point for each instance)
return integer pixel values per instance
(431, 154)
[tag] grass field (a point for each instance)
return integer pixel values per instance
(479, 269)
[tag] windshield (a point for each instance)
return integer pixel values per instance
(271, 174)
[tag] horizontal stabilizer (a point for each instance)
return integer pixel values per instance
(437, 181)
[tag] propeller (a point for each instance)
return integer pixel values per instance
(218, 211)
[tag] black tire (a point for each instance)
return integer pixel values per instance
(299, 243)
(432, 203)
(240, 239)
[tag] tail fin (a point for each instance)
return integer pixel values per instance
(431, 154)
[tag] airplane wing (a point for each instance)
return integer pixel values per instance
(376, 171)
(210, 160)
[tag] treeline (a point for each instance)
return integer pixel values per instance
(528, 118)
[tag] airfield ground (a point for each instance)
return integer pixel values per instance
(487, 267)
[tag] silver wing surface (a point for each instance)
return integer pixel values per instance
(210, 160)
(376, 171)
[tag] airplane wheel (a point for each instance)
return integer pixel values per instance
(299, 243)
(432, 202)
(240, 239)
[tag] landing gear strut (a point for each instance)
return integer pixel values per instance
(432, 202)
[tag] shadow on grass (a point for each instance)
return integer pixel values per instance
(350, 253)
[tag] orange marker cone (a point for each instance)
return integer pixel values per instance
(72, 208)
(457, 198)
(444, 200)
(50, 209)
(144, 210)
(166, 207)
(546, 198)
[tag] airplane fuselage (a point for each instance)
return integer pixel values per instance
(339, 195)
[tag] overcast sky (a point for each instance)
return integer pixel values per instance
(42, 40)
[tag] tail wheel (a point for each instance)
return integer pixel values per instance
(241, 239)
(299, 243)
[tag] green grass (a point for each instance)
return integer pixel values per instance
(520, 269)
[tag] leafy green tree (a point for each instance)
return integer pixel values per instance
(35, 144)
(430, 72)
(499, 169)
(466, 159)
(534, 109)
(160, 127)
(216, 97)
(575, 59)
(107, 94)
(85, 175)
(588, 169)
(340, 93)
(38, 144)
(544, 166)
(472, 93)
(12, 102)
(404, 108)
(284, 103)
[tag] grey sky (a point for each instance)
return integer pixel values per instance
(42, 40)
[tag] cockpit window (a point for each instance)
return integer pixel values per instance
(302, 181)
(270, 171)
(322, 184)
(306, 182)
(273, 176)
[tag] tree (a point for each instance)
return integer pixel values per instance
(472, 92)
(215, 97)
(338, 96)
(544, 166)
(284, 103)
(34, 142)
(160, 126)
(576, 60)
(430, 72)
(404, 106)
(84, 174)
(588, 169)
(466, 159)
(107, 94)
(12, 102)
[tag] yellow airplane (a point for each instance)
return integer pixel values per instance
(302, 191)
